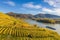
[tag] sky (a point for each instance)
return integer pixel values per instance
(31, 6)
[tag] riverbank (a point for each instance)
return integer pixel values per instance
(47, 20)
(43, 25)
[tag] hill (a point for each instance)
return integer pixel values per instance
(16, 29)
(30, 16)
(46, 16)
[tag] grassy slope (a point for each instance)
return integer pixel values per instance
(16, 29)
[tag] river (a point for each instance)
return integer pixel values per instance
(40, 24)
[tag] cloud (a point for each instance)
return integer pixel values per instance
(54, 3)
(10, 3)
(55, 11)
(47, 10)
(31, 5)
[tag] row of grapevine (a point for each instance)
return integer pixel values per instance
(27, 34)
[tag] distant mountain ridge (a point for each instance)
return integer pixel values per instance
(46, 16)
(40, 15)
(20, 15)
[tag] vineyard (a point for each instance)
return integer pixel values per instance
(27, 34)
(16, 29)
